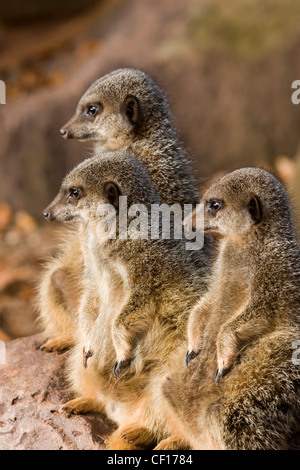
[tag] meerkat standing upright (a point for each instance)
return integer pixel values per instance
(245, 325)
(137, 294)
(124, 110)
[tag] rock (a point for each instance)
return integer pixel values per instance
(32, 395)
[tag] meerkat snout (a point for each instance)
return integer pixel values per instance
(64, 204)
(48, 215)
(86, 116)
(65, 133)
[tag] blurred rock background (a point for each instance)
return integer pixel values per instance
(227, 71)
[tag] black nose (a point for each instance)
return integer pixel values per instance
(65, 133)
(48, 215)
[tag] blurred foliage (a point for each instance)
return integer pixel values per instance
(21, 12)
(245, 28)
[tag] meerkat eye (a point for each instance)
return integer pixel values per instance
(75, 194)
(214, 206)
(93, 109)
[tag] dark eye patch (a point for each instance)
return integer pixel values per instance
(93, 109)
(75, 194)
(214, 205)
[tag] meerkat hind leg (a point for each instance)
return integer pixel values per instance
(118, 441)
(172, 443)
(59, 343)
(138, 436)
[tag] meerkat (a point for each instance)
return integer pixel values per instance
(124, 110)
(137, 294)
(244, 326)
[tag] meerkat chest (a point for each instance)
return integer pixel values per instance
(111, 280)
(107, 277)
(231, 284)
(108, 292)
(113, 287)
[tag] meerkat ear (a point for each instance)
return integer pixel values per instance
(112, 192)
(255, 209)
(132, 110)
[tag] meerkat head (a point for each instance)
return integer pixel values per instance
(119, 108)
(101, 180)
(246, 199)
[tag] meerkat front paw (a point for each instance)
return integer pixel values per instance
(220, 372)
(123, 351)
(195, 344)
(194, 348)
(86, 355)
(226, 353)
(191, 354)
(120, 364)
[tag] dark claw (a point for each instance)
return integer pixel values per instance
(86, 355)
(219, 375)
(41, 346)
(125, 363)
(117, 367)
(189, 356)
(123, 436)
